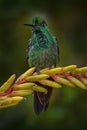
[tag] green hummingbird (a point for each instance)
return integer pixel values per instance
(43, 51)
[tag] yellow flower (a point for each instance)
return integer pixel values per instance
(30, 81)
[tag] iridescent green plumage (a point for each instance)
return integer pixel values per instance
(43, 52)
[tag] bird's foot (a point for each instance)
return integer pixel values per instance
(38, 70)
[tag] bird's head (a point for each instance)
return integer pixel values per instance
(38, 25)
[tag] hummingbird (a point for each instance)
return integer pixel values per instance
(42, 52)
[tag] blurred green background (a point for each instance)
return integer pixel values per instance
(67, 20)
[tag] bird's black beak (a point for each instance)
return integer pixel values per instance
(31, 25)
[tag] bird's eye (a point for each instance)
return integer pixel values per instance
(42, 24)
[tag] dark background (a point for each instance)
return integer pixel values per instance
(67, 20)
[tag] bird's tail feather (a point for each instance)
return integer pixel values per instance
(41, 100)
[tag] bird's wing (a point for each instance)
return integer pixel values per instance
(28, 49)
(56, 50)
